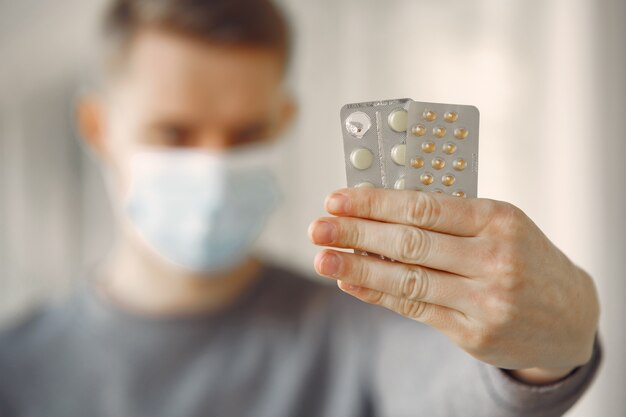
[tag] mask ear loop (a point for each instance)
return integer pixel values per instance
(86, 88)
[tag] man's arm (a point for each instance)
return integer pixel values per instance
(419, 372)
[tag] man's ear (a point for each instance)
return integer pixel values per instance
(287, 114)
(90, 123)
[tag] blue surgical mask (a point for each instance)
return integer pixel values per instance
(200, 210)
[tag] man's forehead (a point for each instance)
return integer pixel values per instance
(169, 70)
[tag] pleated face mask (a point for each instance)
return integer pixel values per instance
(200, 210)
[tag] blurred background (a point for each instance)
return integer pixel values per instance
(548, 76)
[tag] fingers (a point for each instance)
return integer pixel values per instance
(402, 243)
(432, 211)
(413, 283)
(442, 318)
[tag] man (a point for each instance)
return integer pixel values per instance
(182, 321)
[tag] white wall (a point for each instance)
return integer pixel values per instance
(548, 77)
(44, 48)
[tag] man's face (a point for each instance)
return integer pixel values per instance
(174, 91)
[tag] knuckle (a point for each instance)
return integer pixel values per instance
(509, 219)
(491, 208)
(423, 210)
(413, 246)
(511, 212)
(374, 297)
(500, 311)
(349, 233)
(356, 271)
(369, 203)
(490, 249)
(413, 309)
(506, 263)
(479, 340)
(509, 269)
(476, 297)
(414, 284)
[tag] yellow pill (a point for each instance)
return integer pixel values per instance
(364, 184)
(428, 147)
(459, 164)
(417, 162)
(397, 120)
(448, 180)
(439, 132)
(427, 178)
(460, 133)
(450, 117)
(448, 148)
(459, 193)
(429, 115)
(399, 185)
(438, 163)
(418, 130)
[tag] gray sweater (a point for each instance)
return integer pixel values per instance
(288, 346)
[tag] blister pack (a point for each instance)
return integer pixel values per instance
(375, 142)
(410, 144)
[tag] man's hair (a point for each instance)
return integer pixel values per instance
(247, 23)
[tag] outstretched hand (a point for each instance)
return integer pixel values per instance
(478, 270)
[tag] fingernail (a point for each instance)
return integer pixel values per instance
(330, 264)
(324, 233)
(347, 287)
(338, 203)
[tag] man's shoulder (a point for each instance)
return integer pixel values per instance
(20, 329)
(24, 336)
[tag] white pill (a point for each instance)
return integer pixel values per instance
(365, 184)
(399, 185)
(398, 120)
(398, 154)
(361, 158)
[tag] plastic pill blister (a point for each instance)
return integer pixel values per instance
(409, 144)
(375, 142)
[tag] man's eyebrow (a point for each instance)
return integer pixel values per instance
(165, 119)
(261, 123)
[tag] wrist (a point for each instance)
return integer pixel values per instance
(540, 376)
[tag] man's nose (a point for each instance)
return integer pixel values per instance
(214, 141)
